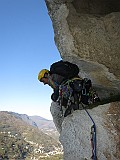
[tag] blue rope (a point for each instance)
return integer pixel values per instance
(94, 136)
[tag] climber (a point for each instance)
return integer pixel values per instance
(60, 72)
(69, 90)
(53, 80)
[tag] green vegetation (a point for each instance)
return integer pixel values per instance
(13, 147)
(19, 140)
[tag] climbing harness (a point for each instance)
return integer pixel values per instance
(76, 91)
(93, 136)
(65, 91)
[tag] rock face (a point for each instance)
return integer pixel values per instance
(75, 134)
(88, 33)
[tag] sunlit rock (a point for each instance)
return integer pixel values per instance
(88, 33)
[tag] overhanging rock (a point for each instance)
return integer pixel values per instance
(87, 33)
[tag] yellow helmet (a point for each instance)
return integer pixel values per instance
(42, 73)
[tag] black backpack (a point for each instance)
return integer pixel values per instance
(86, 91)
(82, 91)
(64, 68)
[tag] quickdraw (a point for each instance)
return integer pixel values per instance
(93, 137)
(65, 91)
(60, 100)
(93, 142)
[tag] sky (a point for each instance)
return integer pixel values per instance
(26, 46)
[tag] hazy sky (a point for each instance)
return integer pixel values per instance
(26, 46)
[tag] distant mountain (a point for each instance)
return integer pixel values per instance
(43, 123)
(20, 140)
(25, 118)
(47, 126)
(39, 117)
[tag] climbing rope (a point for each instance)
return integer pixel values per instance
(93, 136)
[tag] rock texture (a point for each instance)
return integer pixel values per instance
(88, 33)
(75, 132)
(75, 135)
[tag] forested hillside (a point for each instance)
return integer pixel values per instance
(19, 140)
